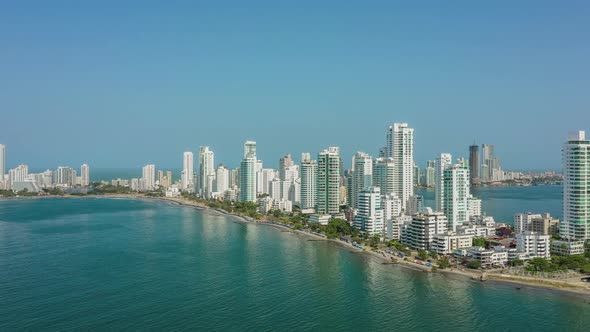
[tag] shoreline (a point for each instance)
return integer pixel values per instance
(386, 259)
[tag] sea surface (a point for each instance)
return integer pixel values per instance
(91, 264)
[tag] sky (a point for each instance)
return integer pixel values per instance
(127, 83)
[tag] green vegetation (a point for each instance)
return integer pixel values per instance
(99, 189)
(444, 263)
(474, 264)
(516, 262)
(422, 254)
(560, 263)
(54, 191)
(7, 193)
(479, 242)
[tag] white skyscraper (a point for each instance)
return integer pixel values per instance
(575, 226)
(362, 176)
(18, 174)
(148, 177)
(2, 161)
(186, 178)
(85, 174)
(383, 175)
(442, 162)
(456, 195)
(221, 179)
(248, 173)
(259, 177)
(309, 170)
(206, 171)
(369, 218)
(328, 181)
(400, 147)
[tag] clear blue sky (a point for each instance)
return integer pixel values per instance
(122, 83)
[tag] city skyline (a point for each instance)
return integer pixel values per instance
(203, 75)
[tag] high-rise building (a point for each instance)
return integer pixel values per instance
(456, 195)
(169, 178)
(383, 175)
(430, 173)
(259, 177)
(2, 161)
(221, 179)
(474, 164)
(248, 173)
(328, 181)
(362, 176)
(442, 162)
(85, 174)
(575, 226)
(284, 163)
(148, 177)
(249, 148)
(206, 171)
(309, 170)
(400, 147)
(18, 174)
(161, 179)
(186, 180)
(369, 218)
(64, 176)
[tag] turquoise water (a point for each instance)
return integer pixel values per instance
(98, 264)
(504, 202)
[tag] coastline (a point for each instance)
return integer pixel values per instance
(578, 288)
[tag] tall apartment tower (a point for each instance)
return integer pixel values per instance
(400, 147)
(186, 178)
(369, 218)
(206, 171)
(362, 176)
(456, 195)
(309, 169)
(575, 225)
(328, 181)
(383, 175)
(84, 174)
(442, 162)
(2, 161)
(248, 173)
(474, 164)
(148, 176)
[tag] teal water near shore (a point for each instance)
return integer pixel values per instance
(97, 264)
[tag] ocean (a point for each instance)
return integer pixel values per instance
(120, 264)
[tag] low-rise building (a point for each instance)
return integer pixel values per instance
(449, 242)
(566, 248)
(488, 257)
(419, 232)
(322, 219)
(533, 244)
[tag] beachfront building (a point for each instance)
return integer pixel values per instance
(455, 195)
(447, 243)
(85, 175)
(522, 221)
(328, 182)
(369, 218)
(64, 176)
(186, 175)
(575, 226)
(309, 169)
(362, 177)
(488, 257)
(533, 244)
(419, 232)
(148, 178)
(248, 173)
(400, 147)
(206, 171)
